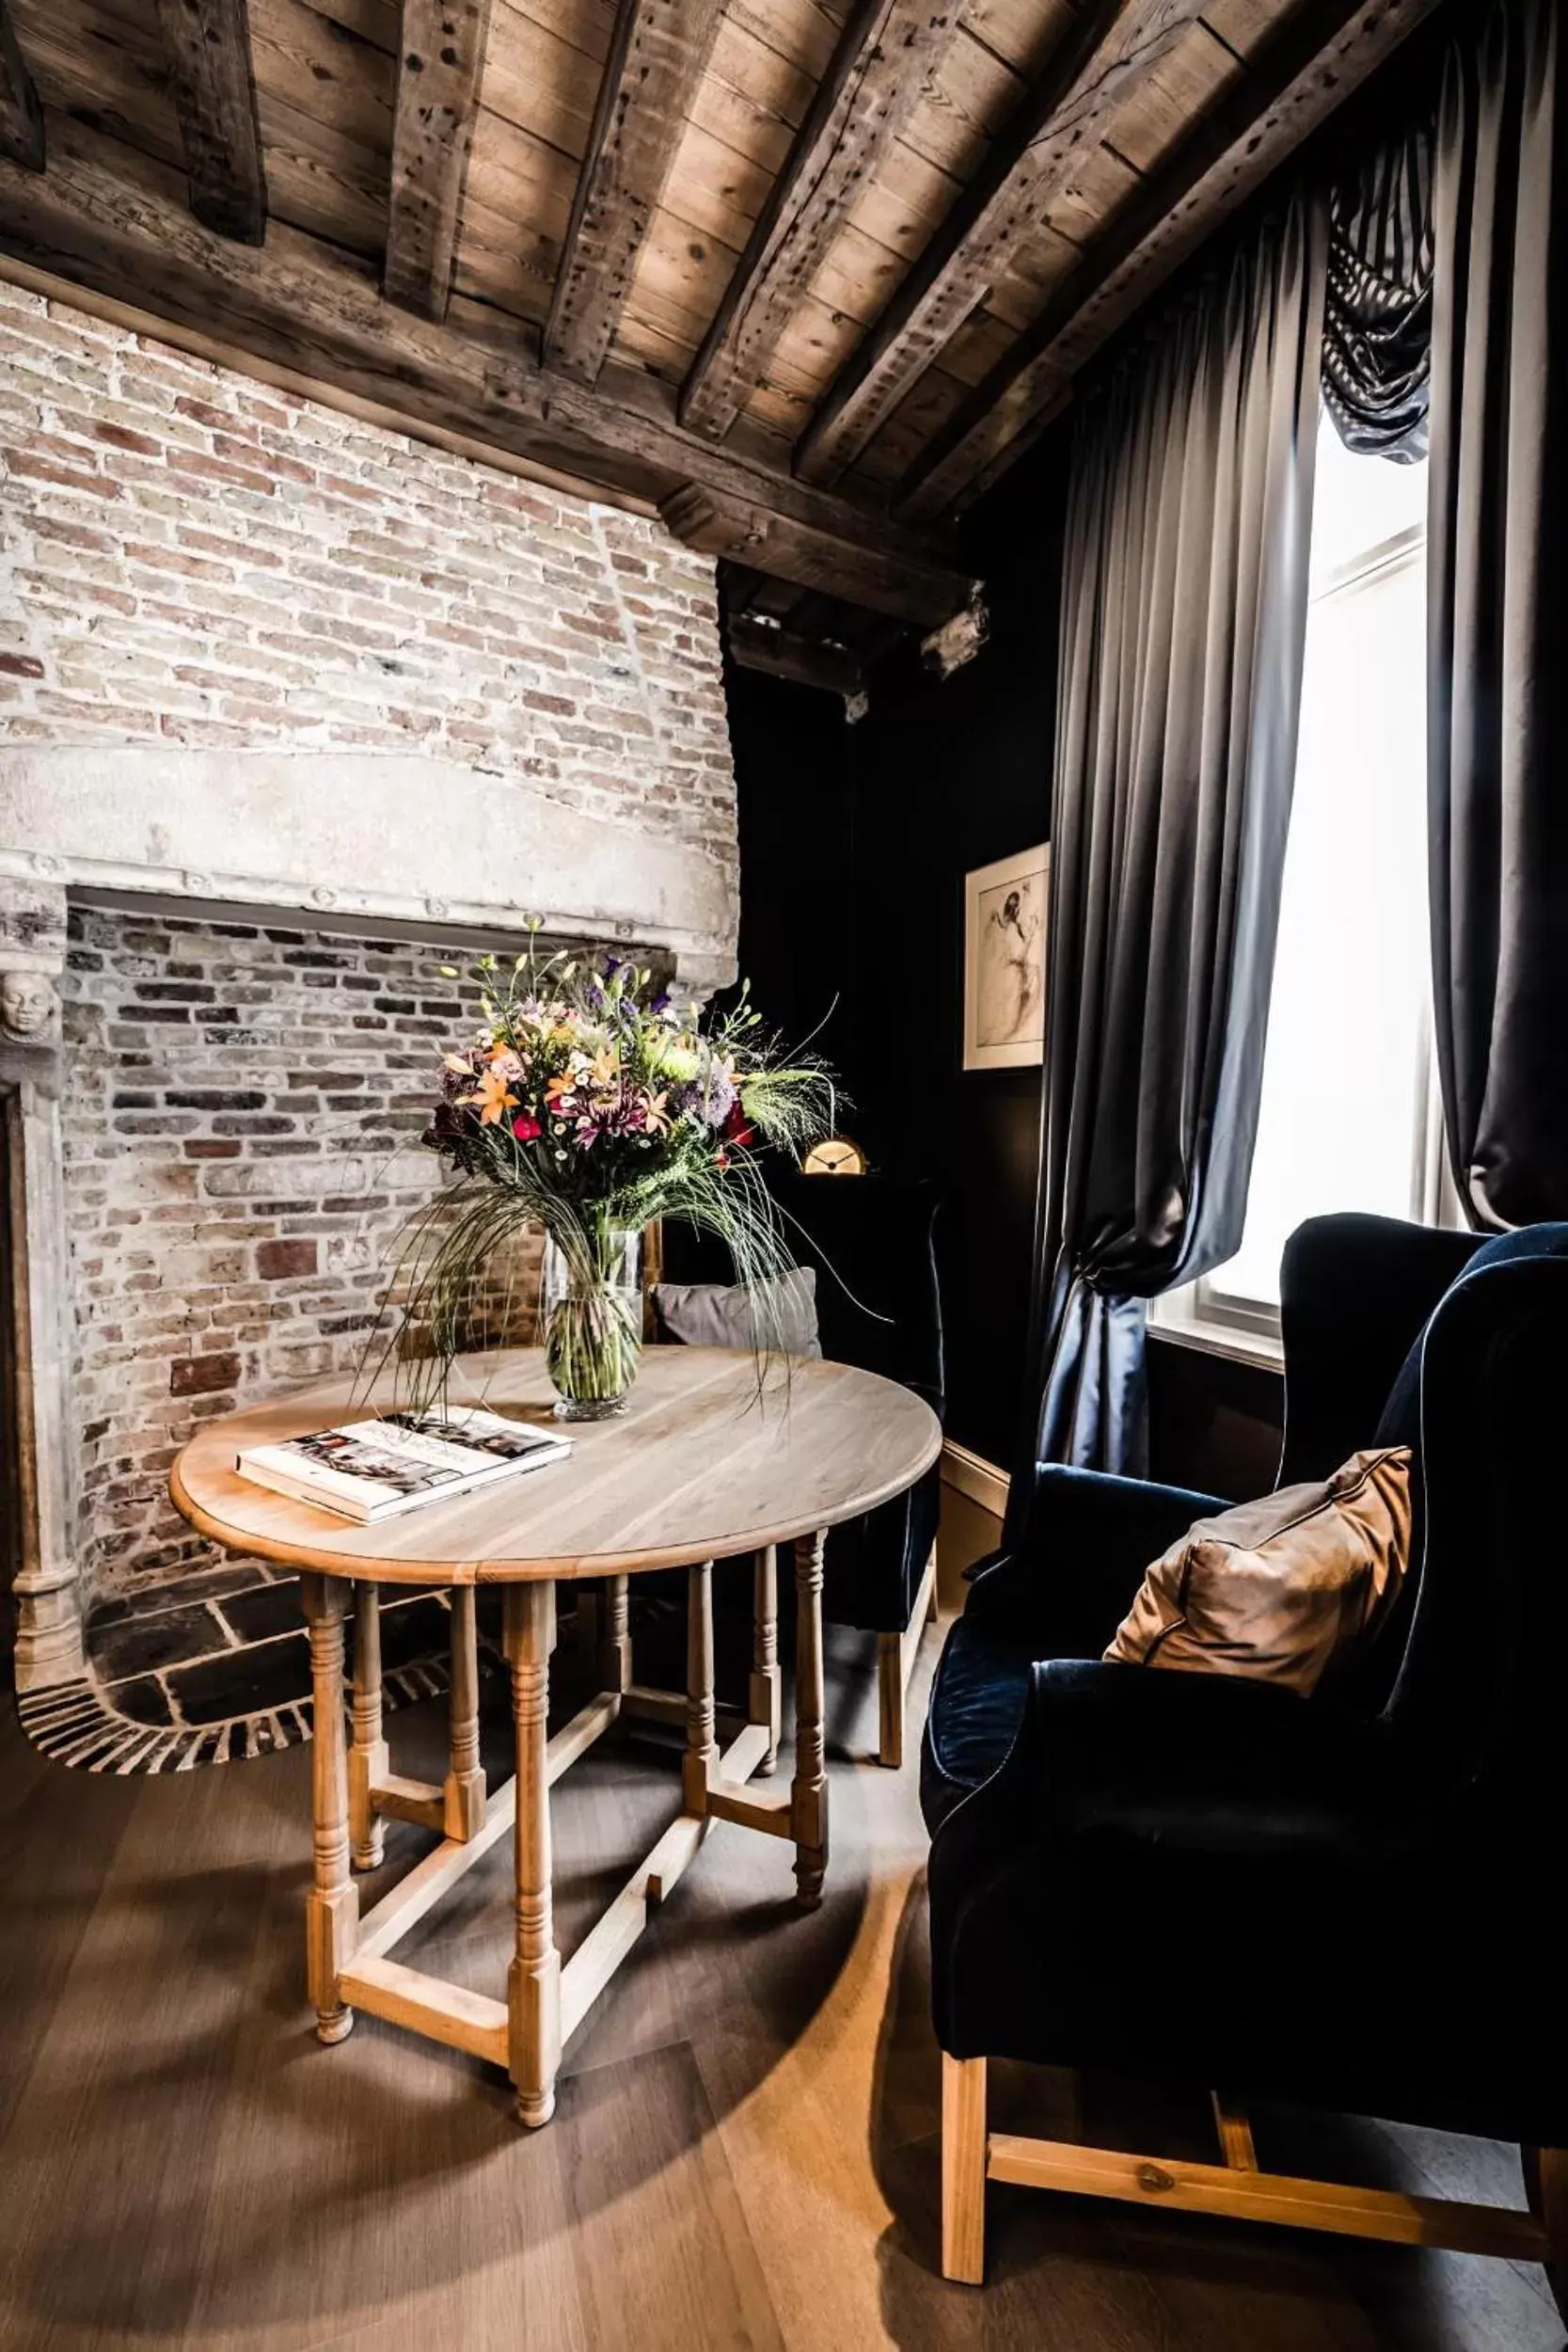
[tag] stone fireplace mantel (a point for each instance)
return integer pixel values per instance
(402, 839)
(416, 847)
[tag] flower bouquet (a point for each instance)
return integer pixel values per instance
(591, 1105)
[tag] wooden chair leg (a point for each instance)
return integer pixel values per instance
(896, 1657)
(963, 2169)
(1545, 2172)
(890, 1700)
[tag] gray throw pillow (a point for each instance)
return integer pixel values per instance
(780, 1314)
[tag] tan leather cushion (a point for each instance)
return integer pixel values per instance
(1281, 1588)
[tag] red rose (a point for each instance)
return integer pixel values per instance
(736, 1128)
(525, 1126)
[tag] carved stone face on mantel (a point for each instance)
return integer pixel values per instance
(26, 1003)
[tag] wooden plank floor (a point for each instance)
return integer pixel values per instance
(744, 2152)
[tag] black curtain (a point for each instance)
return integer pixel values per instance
(1499, 613)
(1377, 307)
(1182, 622)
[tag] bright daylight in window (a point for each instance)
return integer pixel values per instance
(1348, 1108)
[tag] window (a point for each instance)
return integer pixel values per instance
(1350, 1107)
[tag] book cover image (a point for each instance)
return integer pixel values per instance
(483, 1434)
(386, 1465)
(367, 1470)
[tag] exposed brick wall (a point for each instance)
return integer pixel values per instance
(190, 557)
(241, 1125)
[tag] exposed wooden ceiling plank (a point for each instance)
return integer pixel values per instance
(306, 306)
(757, 645)
(656, 57)
(838, 566)
(439, 64)
(886, 52)
(208, 46)
(20, 115)
(1315, 61)
(1110, 54)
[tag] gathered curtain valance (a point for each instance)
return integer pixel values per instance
(1377, 304)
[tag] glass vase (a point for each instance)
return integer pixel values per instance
(592, 1321)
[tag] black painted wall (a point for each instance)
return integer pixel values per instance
(854, 845)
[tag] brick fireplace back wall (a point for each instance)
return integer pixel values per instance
(264, 654)
(241, 1118)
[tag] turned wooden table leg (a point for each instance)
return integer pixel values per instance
(332, 1906)
(533, 1981)
(368, 1760)
(462, 1794)
(809, 1793)
(701, 1746)
(765, 1699)
(614, 1636)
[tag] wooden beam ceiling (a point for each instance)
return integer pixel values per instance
(659, 50)
(20, 115)
(1314, 63)
(750, 184)
(207, 43)
(440, 59)
(1113, 49)
(756, 644)
(884, 57)
(306, 305)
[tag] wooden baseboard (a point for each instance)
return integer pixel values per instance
(974, 1477)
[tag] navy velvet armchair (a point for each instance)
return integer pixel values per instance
(1320, 1888)
(871, 1241)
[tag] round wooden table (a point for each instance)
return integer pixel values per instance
(704, 1465)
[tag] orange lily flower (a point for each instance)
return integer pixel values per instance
(492, 1098)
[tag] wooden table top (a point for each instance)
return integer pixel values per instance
(700, 1467)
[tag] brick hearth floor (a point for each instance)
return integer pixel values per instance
(217, 1667)
(214, 1668)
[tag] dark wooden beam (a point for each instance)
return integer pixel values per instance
(439, 63)
(207, 43)
(757, 645)
(828, 561)
(314, 309)
(1315, 62)
(657, 51)
(1104, 59)
(886, 52)
(20, 115)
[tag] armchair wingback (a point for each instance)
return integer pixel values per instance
(1321, 1886)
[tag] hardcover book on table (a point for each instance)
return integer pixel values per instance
(376, 1469)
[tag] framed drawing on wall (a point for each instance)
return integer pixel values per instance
(1005, 924)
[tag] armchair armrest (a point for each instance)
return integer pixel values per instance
(1086, 1540)
(1220, 1765)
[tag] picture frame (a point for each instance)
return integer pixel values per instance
(1006, 924)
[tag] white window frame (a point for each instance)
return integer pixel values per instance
(1204, 1314)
